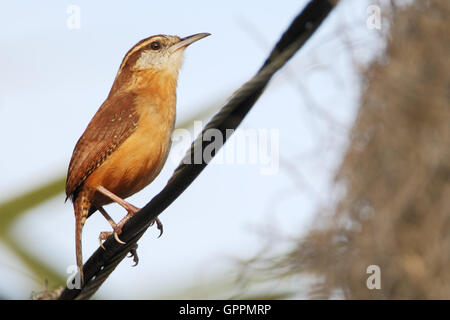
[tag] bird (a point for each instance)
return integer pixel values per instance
(126, 143)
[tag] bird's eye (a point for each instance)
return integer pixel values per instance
(155, 45)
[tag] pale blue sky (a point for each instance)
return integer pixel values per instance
(53, 80)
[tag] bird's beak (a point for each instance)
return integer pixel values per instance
(184, 42)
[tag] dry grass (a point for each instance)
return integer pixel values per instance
(396, 209)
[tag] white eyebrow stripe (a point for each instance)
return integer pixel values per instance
(136, 48)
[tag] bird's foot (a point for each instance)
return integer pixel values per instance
(118, 227)
(132, 210)
(133, 251)
(105, 234)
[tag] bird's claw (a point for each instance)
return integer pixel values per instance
(118, 229)
(133, 253)
(104, 235)
(116, 236)
(159, 225)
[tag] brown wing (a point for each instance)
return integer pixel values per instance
(109, 128)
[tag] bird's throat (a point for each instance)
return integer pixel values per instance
(156, 83)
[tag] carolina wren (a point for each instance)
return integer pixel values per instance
(126, 144)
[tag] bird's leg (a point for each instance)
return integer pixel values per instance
(132, 210)
(104, 235)
(127, 206)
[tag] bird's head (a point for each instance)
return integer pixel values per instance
(158, 53)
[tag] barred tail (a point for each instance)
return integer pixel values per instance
(81, 206)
